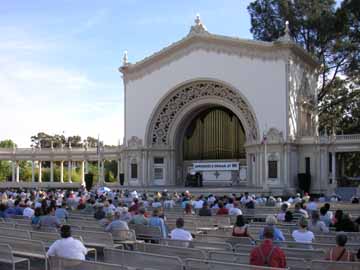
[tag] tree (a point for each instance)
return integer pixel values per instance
(5, 165)
(332, 35)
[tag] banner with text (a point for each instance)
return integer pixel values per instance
(216, 166)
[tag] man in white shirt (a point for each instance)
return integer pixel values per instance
(29, 211)
(67, 247)
(198, 204)
(179, 233)
(235, 212)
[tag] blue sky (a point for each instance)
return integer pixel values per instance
(59, 59)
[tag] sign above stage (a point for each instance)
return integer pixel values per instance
(216, 166)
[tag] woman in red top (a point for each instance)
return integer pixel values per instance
(240, 229)
(222, 210)
(340, 253)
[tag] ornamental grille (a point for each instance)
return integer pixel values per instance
(193, 92)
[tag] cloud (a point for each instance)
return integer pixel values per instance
(35, 97)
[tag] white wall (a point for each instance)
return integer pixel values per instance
(261, 82)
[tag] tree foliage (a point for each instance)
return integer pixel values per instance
(331, 34)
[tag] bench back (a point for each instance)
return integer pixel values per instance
(331, 265)
(7, 225)
(307, 254)
(18, 245)
(48, 238)
(29, 227)
(97, 238)
(244, 258)
(228, 239)
(123, 235)
(193, 264)
(57, 263)
(146, 232)
(204, 245)
(181, 252)
(142, 260)
(11, 232)
(6, 253)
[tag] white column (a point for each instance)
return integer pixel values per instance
(333, 161)
(40, 172)
(33, 171)
(102, 172)
(13, 170)
(83, 172)
(86, 166)
(61, 171)
(17, 171)
(118, 170)
(51, 171)
(69, 171)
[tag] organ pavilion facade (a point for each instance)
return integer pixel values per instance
(235, 110)
(240, 112)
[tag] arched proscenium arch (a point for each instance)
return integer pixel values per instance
(184, 98)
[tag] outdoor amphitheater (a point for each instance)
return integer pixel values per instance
(128, 141)
(147, 247)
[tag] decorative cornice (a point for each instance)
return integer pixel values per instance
(220, 44)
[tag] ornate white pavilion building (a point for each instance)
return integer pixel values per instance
(239, 112)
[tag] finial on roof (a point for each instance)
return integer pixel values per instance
(286, 37)
(198, 28)
(125, 58)
(197, 19)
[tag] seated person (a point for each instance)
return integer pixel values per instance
(116, 224)
(267, 254)
(50, 220)
(205, 211)
(179, 233)
(156, 221)
(316, 225)
(139, 218)
(222, 210)
(339, 253)
(240, 229)
(67, 247)
(271, 222)
(302, 235)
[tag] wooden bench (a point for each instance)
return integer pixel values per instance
(26, 248)
(11, 232)
(204, 245)
(193, 264)
(97, 239)
(57, 263)
(243, 258)
(181, 252)
(142, 260)
(6, 256)
(144, 232)
(331, 265)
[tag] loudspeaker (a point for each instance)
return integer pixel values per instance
(89, 178)
(304, 181)
(122, 179)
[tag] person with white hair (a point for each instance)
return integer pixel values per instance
(116, 224)
(271, 222)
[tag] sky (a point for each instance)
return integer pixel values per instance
(59, 59)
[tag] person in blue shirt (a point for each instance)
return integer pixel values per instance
(271, 222)
(2, 210)
(61, 213)
(156, 221)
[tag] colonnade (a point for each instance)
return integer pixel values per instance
(84, 169)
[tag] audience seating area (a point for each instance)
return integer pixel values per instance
(142, 247)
